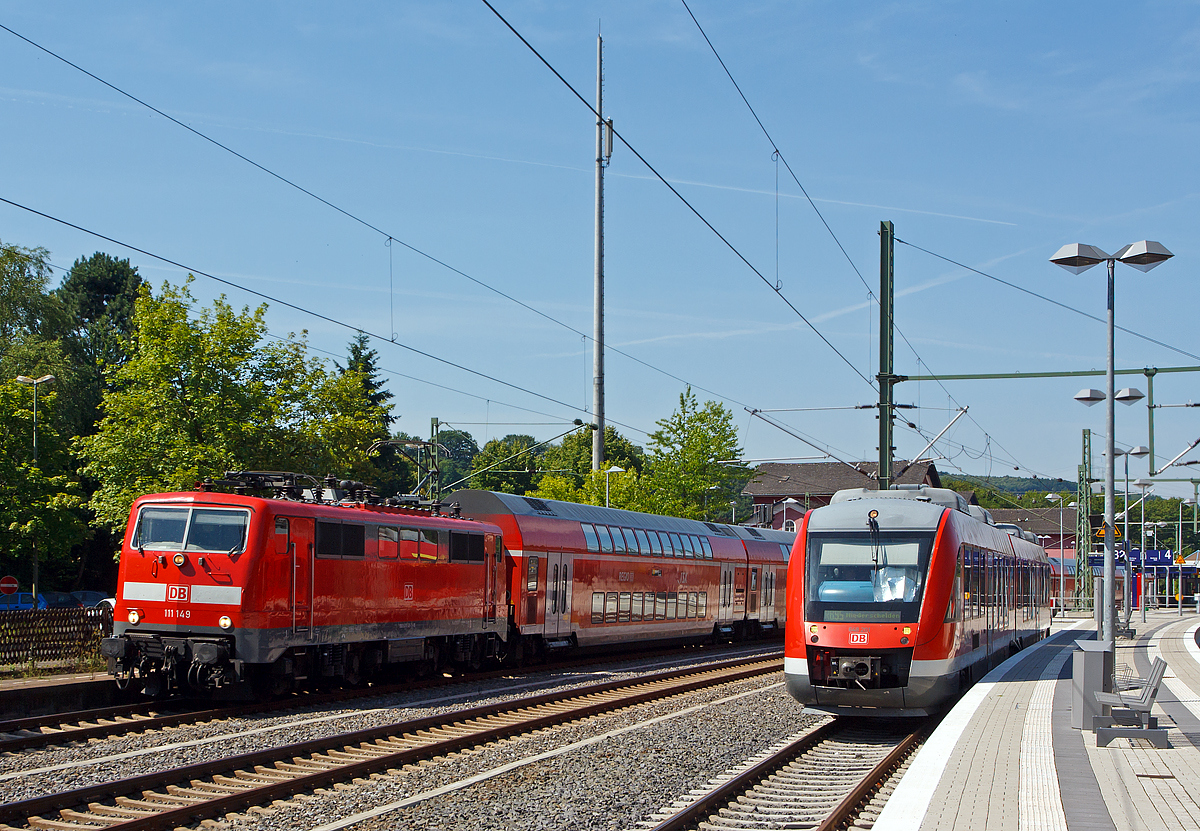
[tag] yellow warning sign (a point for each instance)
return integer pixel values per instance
(1100, 533)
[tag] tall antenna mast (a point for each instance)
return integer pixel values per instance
(603, 152)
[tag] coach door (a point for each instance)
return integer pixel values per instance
(558, 594)
(300, 547)
(492, 558)
(725, 604)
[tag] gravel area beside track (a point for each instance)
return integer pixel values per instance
(103, 760)
(610, 783)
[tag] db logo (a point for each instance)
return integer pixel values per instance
(408, 591)
(858, 638)
(178, 594)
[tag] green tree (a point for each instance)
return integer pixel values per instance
(364, 360)
(40, 505)
(572, 457)
(627, 490)
(514, 464)
(204, 393)
(460, 453)
(685, 471)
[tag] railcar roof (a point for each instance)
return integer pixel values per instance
(894, 515)
(479, 503)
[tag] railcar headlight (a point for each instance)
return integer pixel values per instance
(225, 622)
(179, 559)
(135, 617)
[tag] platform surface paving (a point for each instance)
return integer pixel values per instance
(1007, 759)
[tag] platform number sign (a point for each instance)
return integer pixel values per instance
(858, 638)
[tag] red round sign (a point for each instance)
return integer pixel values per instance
(8, 585)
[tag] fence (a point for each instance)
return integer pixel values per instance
(43, 636)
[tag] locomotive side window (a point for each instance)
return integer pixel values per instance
(329, 539)
(389, 543)
(354, 541)
(466, 548)
(589, 534)
(336, 540)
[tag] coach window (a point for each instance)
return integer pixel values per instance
(618, 542)
(624, 607)
(597, 607)
(389, 543)
(631, 546)
(531, 574)
(677, 544)
(702, 611)
(693, 603)
(610, 607)
(589, 534)
(606, 544)
(672, 604)
(704, 544)
(636, 611)
(643, 540)
(656, 546)
(660, 606)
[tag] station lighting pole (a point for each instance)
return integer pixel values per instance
(1062, 557)
(1077, 258)
(607, 472)
(34, 382)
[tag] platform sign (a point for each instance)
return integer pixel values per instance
(8, 585)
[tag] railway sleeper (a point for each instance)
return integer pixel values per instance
(57, 825)
(79, 816)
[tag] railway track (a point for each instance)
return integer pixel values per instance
(63, 728)
(186, 795)
(825, 779)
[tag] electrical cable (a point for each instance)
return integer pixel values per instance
(681, 198)
(389, 238)
(303, 310)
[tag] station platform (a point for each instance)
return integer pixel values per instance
(1006, 757)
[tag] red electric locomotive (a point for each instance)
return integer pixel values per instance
(901, 599)
(216, 589)
(239, 591)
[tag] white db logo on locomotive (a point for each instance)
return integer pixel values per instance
(858, 638)
(178, 594)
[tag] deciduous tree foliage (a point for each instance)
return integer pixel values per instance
(518, 474)
(205, 392)
(572, 457)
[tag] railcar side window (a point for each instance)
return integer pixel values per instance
(589, 534)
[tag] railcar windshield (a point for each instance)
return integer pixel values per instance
(865, 577)
(191, 529)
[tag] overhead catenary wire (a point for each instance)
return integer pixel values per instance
(303, 310)
(389, 238)
(778, 292)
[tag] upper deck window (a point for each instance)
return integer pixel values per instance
(864, 577)
(191, 529)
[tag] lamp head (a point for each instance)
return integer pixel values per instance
(1078, 257)
(1139, 451)
(1143, 255)
(1130, 395)
(1089, 397)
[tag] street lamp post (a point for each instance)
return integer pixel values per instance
(733, 512)
(1077, 258)
(707, 491)
(1143, 484)
(1179, 548)
(1075, 548)
(1062, 558)
(607, 471)
(34, 382)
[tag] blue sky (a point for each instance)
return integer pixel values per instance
(989, 134)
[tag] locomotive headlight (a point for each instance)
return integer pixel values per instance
(907, 630)
(813, 629)
(872, 514)
(179, 559)
(225, 622)
(135, 617)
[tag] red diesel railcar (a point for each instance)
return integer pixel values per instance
(901, 599)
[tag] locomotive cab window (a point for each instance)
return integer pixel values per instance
(191, 529)
(866, 577)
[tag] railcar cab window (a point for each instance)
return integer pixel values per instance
(340, 541)
(191, 529)
(862, 577)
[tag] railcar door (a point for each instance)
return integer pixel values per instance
(299, 531)
(558, 594)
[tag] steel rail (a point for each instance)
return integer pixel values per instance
(350, 744)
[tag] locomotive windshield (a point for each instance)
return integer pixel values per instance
(190, 529)
(864, 577)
